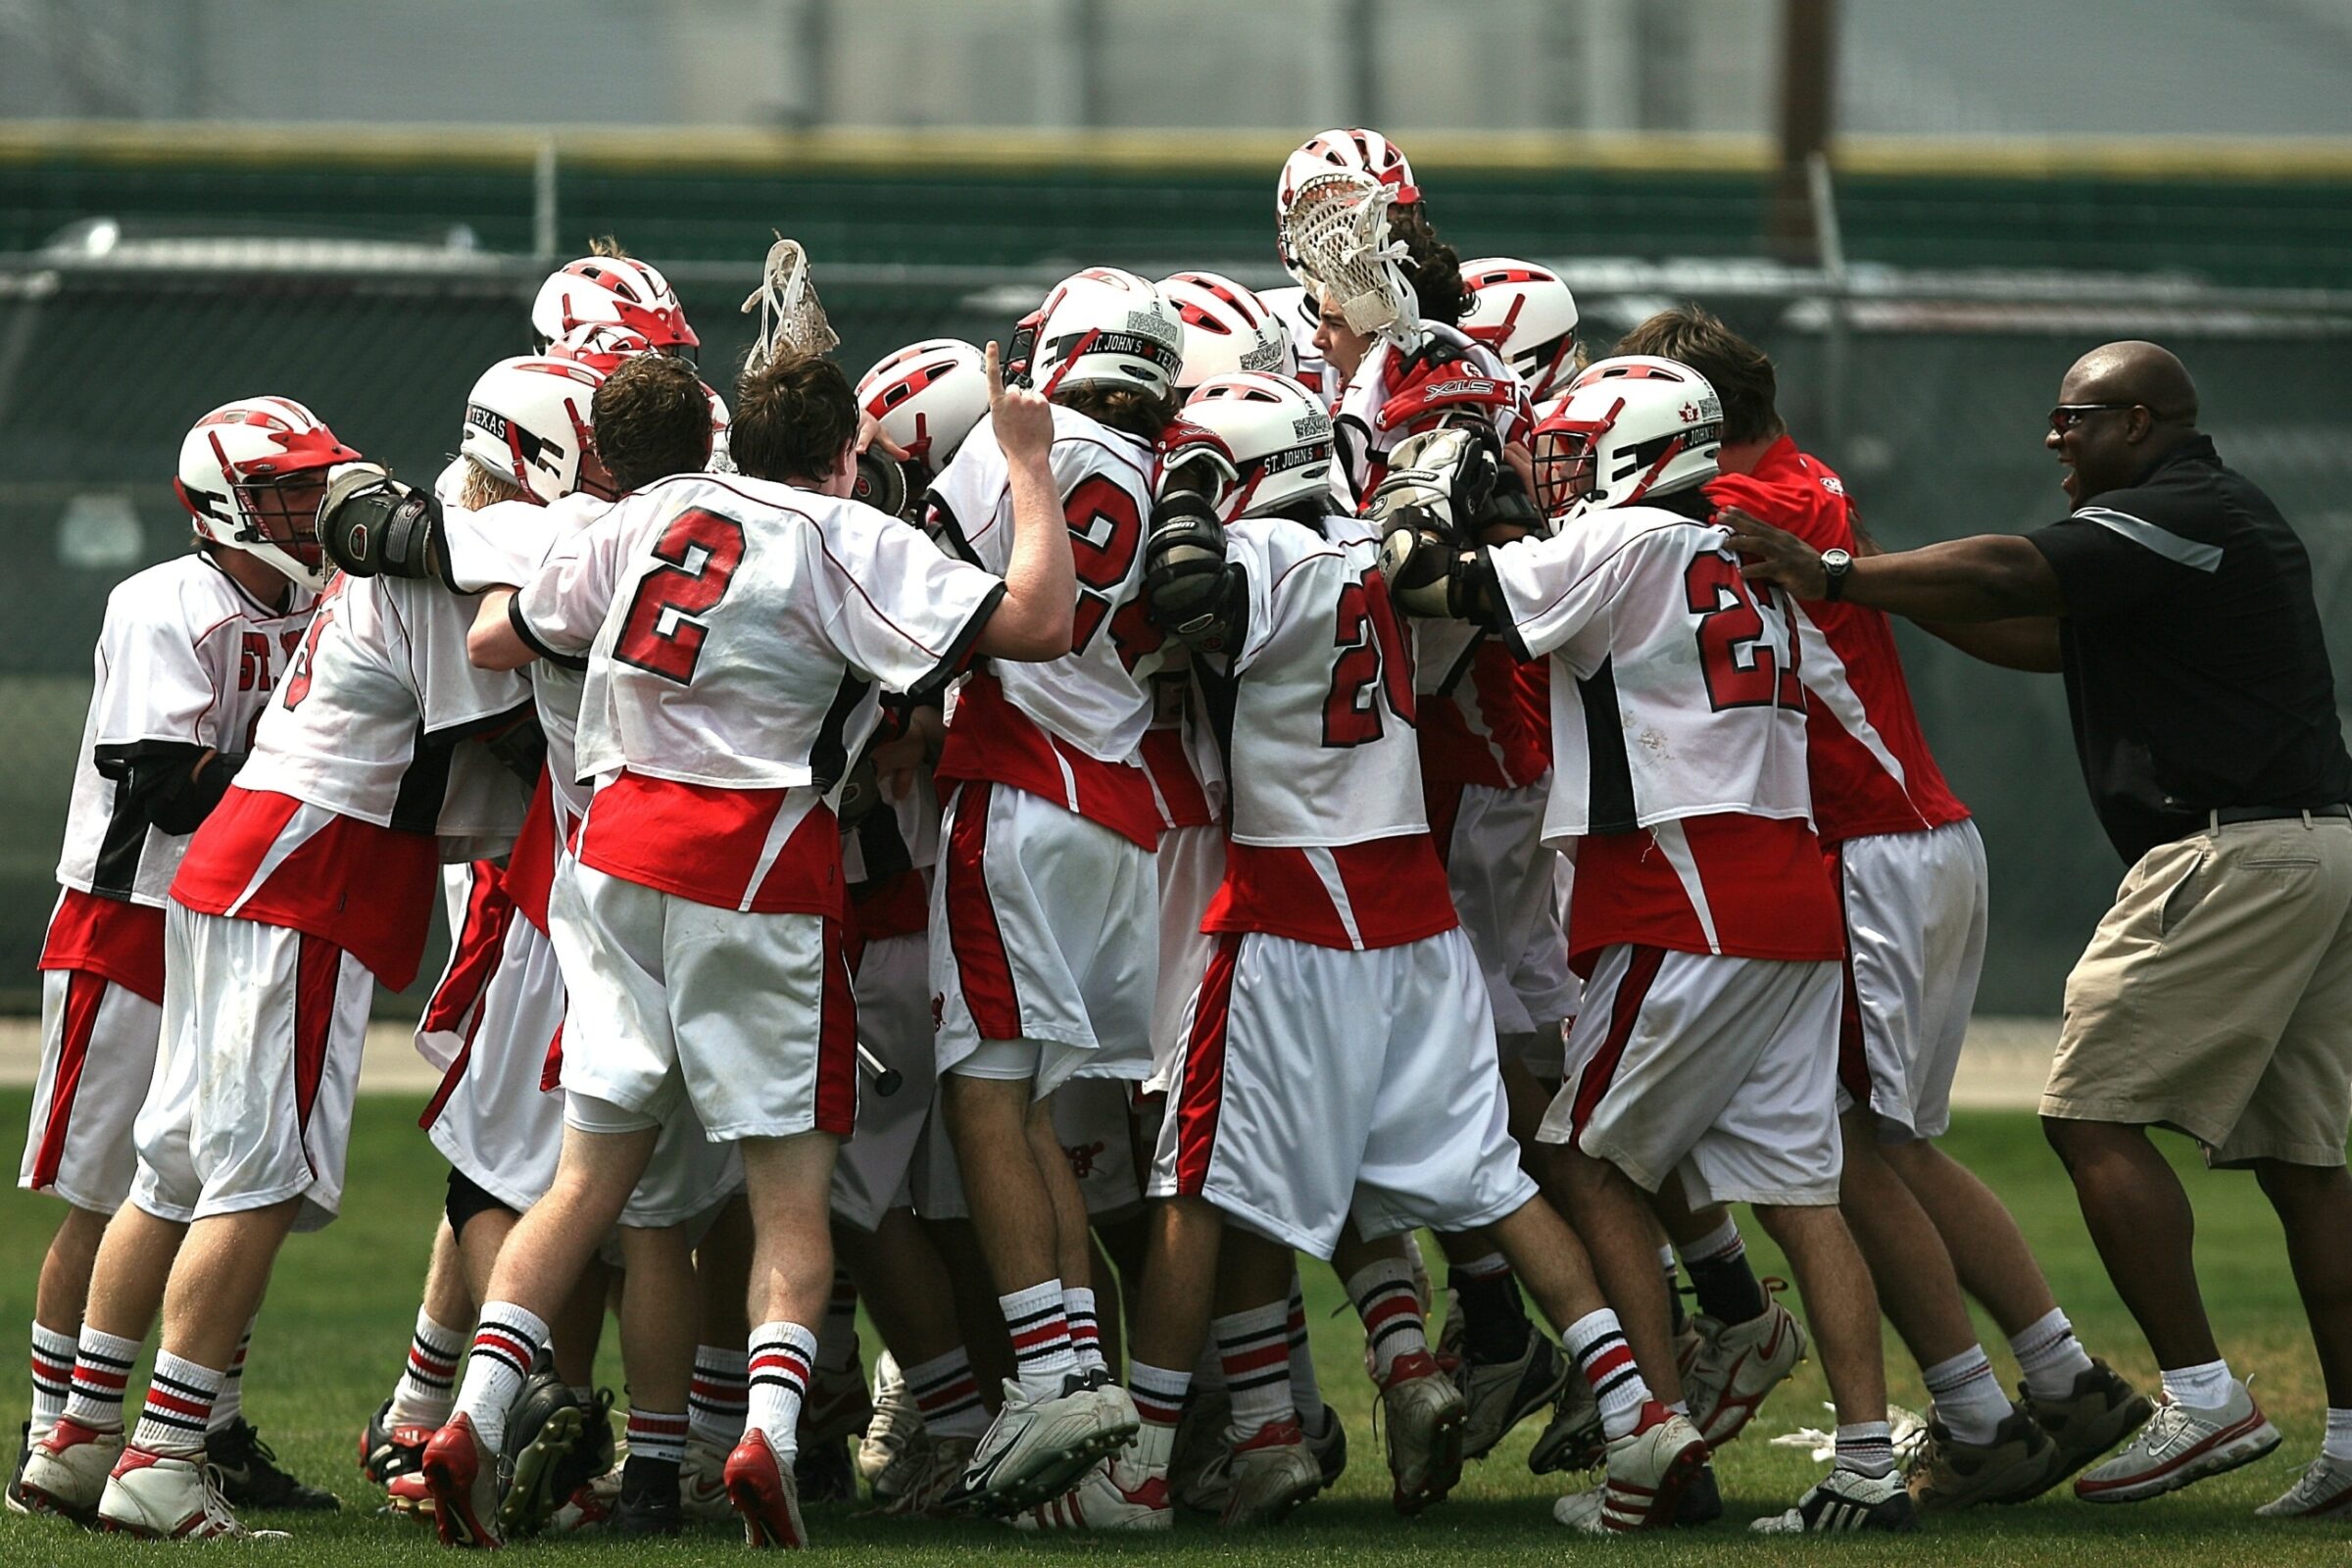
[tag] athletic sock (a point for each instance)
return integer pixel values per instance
(1969, 1400)
(2049, 1355)
(1494, 1325)
(781, 1355)
(2337, 1445)
(428, 1389)
(2200, 1388)
(1306, 1394)
(947, 1395)
(179, 1402)
(716, 1398)
(1385, 1298)
(1041, 1336)
(837, 1335)
(1676, 1320)
(1727, 1287)
(1867, 1449)
(1086, 1329)
(52, 1377)
(1596, 1344)
(1253, 1346)
(229, 1408)
(657, 1436)
(101, 1371)
(1159, 1402)
(507, 1341)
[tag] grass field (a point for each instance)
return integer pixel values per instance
(336, 1326)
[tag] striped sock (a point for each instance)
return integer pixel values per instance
(1159, 1395)
(837, 1335)
(717, 1398)
(781, 1355)
(52, 1377)
(1969, 1400)
(1041, 1336)
(1726, 1287)
(505, 1342)
(1086, 1330)
(2049, 1355)
(1867, 1449)
(179, 1401)
(101, 1371)
(229, 1408)
(1597, 1345)
(1253, 1346)
(428, 1389)
(1306, 1394)
(948, 1395)
(1385, 1298)
(657, 1437)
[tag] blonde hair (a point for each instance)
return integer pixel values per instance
(482, 488)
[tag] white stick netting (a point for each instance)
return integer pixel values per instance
(792, 320)
(1338, 226)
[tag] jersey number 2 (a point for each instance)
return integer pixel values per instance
(701, 551)
(1374, 665)
(1740, 667)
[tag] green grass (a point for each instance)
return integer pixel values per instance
(336, 1326)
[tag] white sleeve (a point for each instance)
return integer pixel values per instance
(158, 684)
(497, 547)
(1275, 581)
(560, 608)
(896, 605)
(1551, 588)
(451, 694)
(971, 504)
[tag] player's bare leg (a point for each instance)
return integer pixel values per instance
(133, 1264)
(1073, 1239)
(977, 1318)
(484, 1238)
(1841, 1301)
(392, 1445)
(661, 1317)
(2315, 1209)
(1506, 1370)
(788, 1182)
(1613, 1220)
(910, 1294)
(1109, 1300)
(66, 1268)
(1013, 1207)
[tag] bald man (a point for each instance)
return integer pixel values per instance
(2215, 996)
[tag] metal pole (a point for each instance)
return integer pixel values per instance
(543, 204)
(1807, 114)
(1828, 241)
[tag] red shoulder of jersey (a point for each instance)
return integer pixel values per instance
(1790, 490)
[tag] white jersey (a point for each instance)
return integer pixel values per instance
(186, 658)
(1295, 310)
(1383, 403)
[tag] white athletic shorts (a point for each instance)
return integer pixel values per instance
(1043, 942)
(1724, 1068)
(491, 1119)
(1319, 1083)
(1503, 882)
(747, 1020)
(1091, 1122)
(258, 1058)
(1915, 905)
(870, 1174)
(1190, 865)
(97, 1058)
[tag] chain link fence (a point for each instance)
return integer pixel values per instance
(1926, 392)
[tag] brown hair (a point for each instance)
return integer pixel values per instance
(653, 419)
(1739, 372)
(794, 416)
(1433, 266)
(1123, 407)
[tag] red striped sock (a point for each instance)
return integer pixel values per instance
(1041, 1336)
(948, 1395)
(179, 1403)
(782, 1354)
(1598, 1345)
(657, 1436)
(719, 1394)
(1385, 1298)
(1254, 1349)
(101, 1373)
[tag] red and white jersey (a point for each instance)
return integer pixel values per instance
(1179, 753)
(1475, 724)
(887, 858)
(1678, 718)
(1295, 310)
(184, 658)
(1330, 840)
(735, 631)
(1391, 393)
(1872, 771)
(1067, 729)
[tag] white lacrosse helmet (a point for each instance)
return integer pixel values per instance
(600, 345)
(1227, 328)
(1106, 327)
(1631, 430)
(619, 290)
(927, 395)
(528, 421)
(1338, 230)
(252, 473)
(1279, 435)
(1355, 148)
(1524, 314)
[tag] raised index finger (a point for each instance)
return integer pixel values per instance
(995, 374)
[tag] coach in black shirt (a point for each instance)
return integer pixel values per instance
(2215, 996)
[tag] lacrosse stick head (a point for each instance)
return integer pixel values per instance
(792, 321)
(1338, 226)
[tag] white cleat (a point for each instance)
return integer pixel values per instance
(65, 1471)
(2179, 1445)
(1260, 1480)
(167, 1498)
(1423, 1415)
(1737, 1366)
(1649, 1469)
(703, 1483)
(2323, 1492)
(895, 1424)
(1037, 1448)
(1845, 1503)
(1106, 1497)
(925, 1476)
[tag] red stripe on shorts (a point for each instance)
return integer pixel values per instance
(836, 1039)
(478, 946)
(981, 965)
(1625, 1011)
(1201, 1093)
(83, 992)
(317, 965)
(1853, 1062)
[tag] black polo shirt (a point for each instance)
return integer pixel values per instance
(2194, 666)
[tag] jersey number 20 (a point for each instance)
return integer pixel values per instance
(1374, 669)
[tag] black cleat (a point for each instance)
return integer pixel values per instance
(15, 1496)
(251, 1479)
(648, 1511)
(552, 1449)
(824, 1473)
(1701, 1501)
(388, 1452)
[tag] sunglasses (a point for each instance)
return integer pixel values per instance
(2066, 416)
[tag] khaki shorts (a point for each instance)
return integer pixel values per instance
(2215, 996)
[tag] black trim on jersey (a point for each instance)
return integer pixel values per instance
(530, 638)
(1608, 771)
(124, 844)
(960, 648)
(1461, 666)
(1218, 691)
(882, 847)
(425, 784)
(945, 528)
(829, 757)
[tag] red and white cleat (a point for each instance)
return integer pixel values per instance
(170, 1498)
(760, 1483)
(462, 1478)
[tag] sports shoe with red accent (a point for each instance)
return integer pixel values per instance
(462, 1478)
(1424, 1415)
(66, 1472)
(409, 1497)
(1108, 1497)
(1738, 1366)
(1262, 1478)
(389, 1448)
(760, 1487)
(2179, 1445)
(168, 1497)
(1649, 1468)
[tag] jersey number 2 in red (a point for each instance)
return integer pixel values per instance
(1374, 668)
(700, 552)
(1739, 664)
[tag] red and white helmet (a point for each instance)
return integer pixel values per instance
(1227, 328)
(927, 395)
(1277, 434)
(600, 345)
(1631, 430)
(1527, 314)
(1106, 327)
(616, 290)
(252, 473)
(1352, 148)
(528, 421)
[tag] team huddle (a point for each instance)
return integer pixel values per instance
(1036, 842)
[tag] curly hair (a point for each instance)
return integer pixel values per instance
(1433, 266)
(651, 417)
(1741, 372)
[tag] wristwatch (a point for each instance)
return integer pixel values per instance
(1835, 564)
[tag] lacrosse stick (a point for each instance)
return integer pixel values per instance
(887, 1078)
(1338, 226)
(791, 318)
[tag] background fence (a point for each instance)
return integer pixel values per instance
(1926, 388)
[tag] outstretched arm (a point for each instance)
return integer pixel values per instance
(1994, 577)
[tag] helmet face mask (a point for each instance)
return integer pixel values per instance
(1352, 148)
(1632, 429)
(1564, 468)
(281, 522)
(252, 475)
